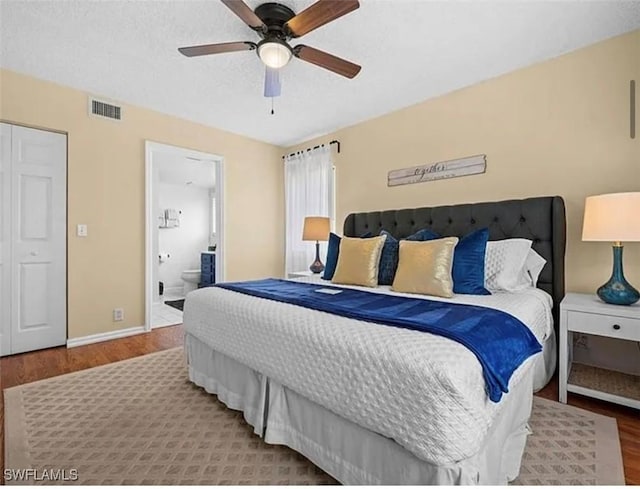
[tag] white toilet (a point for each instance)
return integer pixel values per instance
(191, 280)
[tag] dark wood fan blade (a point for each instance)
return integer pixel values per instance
(248, 16)
(327, 61)
(319, 14)
(223, 47)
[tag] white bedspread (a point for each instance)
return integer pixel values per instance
(424, 391)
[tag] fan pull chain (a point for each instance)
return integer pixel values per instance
(272, 111)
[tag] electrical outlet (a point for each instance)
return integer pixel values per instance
(118, 314)
(581, 341)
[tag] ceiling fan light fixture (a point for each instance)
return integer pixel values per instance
(274, 53)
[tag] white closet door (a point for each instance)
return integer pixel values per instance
(5, 242)
(38, 258)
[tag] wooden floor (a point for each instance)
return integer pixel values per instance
(28, 367)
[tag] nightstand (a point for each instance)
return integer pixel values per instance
(585, 313)
(303, 273)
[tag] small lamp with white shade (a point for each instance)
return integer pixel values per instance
(316, 229)
(614, 217)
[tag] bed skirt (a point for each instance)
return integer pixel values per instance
(348, 452)
(545, 364)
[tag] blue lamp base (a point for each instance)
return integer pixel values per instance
(617, 290)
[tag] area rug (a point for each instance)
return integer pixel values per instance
(141, 422)
(178, 304)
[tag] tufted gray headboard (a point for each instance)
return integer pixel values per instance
(540, 219)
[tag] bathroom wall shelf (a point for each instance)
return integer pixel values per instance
(170, 219)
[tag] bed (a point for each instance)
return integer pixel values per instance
(371, 404)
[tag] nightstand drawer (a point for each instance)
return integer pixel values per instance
(207, 278)
(611, 326)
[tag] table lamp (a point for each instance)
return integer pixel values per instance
(316, 229)
(614, 217)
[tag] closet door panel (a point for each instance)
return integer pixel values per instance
(5, 240)
(38, 240)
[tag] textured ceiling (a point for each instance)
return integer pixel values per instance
(410, 50)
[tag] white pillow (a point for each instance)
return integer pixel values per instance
(505, 263)
(533, 266)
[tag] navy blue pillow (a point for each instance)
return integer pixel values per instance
(423, 235)
(333, 248)
(468, 263)
(333, 251)
(388, 259)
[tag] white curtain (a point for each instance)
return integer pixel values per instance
(308, 192)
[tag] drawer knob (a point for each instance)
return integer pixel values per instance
(616, 326)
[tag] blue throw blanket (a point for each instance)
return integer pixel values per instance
(499, 341)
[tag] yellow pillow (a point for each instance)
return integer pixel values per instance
(358, 261)
(424, 267)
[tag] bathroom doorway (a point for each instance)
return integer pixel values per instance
(184, 244)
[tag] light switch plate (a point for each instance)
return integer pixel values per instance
(82, 230)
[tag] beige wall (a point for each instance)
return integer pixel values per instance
(558, 127)
(106, 191)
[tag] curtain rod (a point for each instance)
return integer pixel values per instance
(335, 141)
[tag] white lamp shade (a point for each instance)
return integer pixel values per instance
(316, 229)
(274, 54)
(612, 217)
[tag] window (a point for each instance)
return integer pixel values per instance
(309, 191)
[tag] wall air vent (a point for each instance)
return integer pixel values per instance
(100, 108)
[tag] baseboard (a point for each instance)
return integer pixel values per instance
(111, 335)
(163, 325)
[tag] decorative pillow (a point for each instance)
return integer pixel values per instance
(388, 259)
(469, 263)
(504, 264)
(333, 251)
(468, 260)
(358, 261)
(423, 235)
(424, 267)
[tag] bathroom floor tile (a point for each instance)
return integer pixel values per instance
(164, 315)
(162, 324)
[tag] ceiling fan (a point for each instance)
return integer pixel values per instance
(277, 24)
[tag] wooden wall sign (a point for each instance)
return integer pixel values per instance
(471, 165)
